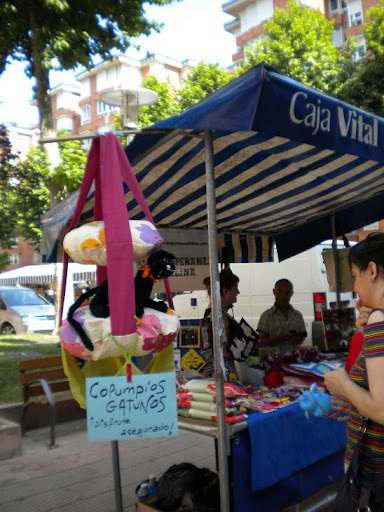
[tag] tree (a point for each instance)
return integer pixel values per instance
(33, 187)
(166, 106)
(60, 34)
(67, 176)
(204, 79)
(8, 222)
(201, 81)
(366, 87)
(298, 42)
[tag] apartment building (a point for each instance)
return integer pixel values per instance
(82, 109)
(21, 138)
(250, 17)
(21, 253)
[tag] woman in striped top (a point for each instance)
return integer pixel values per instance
(366, 260)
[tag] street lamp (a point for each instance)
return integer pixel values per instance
(129, 99)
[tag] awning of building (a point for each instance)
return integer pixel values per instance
(45, 274)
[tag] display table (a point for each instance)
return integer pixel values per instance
(280, 458)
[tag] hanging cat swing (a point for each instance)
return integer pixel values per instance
(121, 319)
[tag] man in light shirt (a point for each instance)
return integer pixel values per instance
(282, 326)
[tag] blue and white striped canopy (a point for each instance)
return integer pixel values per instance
(286, 158)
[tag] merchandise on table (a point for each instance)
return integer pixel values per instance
(204, 406)
(314, 370)
(206, 415)
(239, 399)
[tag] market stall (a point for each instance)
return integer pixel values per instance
(266, 156)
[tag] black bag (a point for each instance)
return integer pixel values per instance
(360, 490)
(187, 488)
(348, 492)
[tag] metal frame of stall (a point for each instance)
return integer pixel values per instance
(217, 328)
(222, 436)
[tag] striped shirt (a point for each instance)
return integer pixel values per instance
(372, 450)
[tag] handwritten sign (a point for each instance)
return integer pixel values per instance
(145, 407)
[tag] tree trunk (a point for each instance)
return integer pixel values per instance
(41, 73)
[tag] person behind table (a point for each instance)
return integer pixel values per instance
(366, 260)
(282, 326)
(228, 293)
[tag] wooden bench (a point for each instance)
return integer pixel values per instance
(44, 383)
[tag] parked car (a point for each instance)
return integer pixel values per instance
(23, 310)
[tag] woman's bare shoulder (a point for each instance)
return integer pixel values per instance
(377, 315)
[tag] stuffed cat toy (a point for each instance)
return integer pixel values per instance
(159, 266)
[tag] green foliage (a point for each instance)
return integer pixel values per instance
(67, 176)
(31, 194)
(298, 43)
(166, 106)
(366, 87)
(60, 34)
(4, 261)
(33, 187)
(201, 81)
(8, 221)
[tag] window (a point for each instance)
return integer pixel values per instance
(65, 123)
(105, 128)
(361, 49)
(86, 143)
(336, 6)
(85, 114)
(14, 259)
(355, 19)
(355, 13)
(36, 258)
(103, 108)
(333, 5)
(338, 37)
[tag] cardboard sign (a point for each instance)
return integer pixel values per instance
(192, 361)
(145, 407)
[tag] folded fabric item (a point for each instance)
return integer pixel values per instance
(314, 370)
(205, 415)
(197, 385)
(204, 406)
(207, 398)
(300, 382)
(201, 397)
(230, 390)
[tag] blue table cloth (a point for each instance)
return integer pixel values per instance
(283, 458)
(285, 441)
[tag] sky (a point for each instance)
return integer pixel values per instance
(193, 29)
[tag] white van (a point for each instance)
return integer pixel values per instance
(311, 291)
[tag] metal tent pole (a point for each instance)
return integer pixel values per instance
(336, 260)
(217, 325)
(116, 475)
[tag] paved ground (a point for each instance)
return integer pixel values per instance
(76, 476)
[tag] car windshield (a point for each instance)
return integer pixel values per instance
(19, 297)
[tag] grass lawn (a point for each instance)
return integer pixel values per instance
(16, 347)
